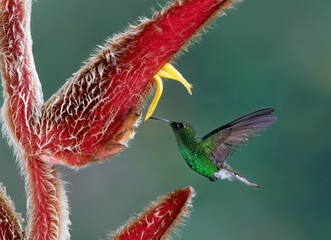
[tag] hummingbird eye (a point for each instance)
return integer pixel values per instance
(181, 125)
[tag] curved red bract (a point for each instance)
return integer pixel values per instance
(159, 219)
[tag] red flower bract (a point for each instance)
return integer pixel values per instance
(10, 221)
(94, 114)
(159, 218)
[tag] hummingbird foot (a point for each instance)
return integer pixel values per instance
(213, 178)
(167, 71)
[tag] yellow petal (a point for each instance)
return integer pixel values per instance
(169, 71)
(159, 90)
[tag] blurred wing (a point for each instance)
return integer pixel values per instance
(228, 138)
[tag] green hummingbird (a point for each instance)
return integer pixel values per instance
(207, 155)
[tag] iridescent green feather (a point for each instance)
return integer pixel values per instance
(193, 150)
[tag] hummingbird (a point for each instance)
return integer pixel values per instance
(207, 155)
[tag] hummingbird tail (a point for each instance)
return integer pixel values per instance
(226, 172)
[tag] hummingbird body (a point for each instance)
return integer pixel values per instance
(207, 155)
(194, 153)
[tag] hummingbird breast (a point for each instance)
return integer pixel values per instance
(197, 161)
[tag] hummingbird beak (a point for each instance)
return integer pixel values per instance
(161, 119)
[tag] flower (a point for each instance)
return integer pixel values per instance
(94, 114)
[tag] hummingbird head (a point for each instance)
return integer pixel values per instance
(184, 131)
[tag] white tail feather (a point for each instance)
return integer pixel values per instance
(226, 172)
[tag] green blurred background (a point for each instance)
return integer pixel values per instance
(262, 54)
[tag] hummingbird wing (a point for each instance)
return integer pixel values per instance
(226, 139)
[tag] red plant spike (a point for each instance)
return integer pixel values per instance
(93, 116)
(159, 219)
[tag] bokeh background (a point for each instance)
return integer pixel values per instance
(262, 54)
